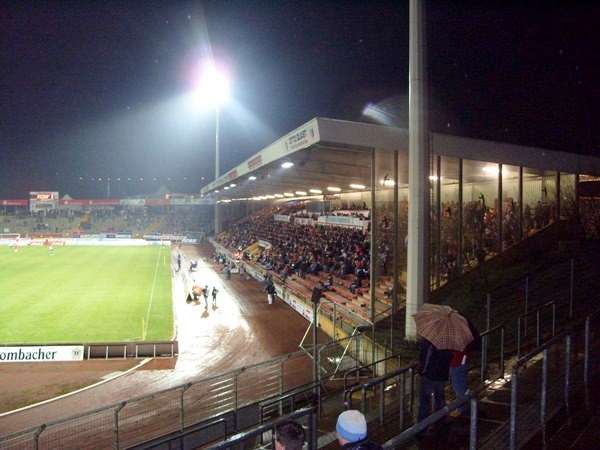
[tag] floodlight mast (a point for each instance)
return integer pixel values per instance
(215, 91)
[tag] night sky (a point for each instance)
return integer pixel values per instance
(96, 90)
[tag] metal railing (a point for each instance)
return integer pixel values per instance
(290, 399)
(522, 321)
(370, 366)
(560, 372)
(410, 433)
(380, 384)
(259, 432)
(126, 423)
(485, 352)
(586, 353)
(556, 387)
(564, 282)
(566, 336)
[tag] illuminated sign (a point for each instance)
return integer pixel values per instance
(44, 197)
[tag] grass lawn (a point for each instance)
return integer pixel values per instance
(85, 294)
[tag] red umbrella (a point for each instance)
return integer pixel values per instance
(443, 327)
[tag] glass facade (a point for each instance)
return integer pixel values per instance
(567, 187)
(449, 214)
(479, 209)
(511, 206)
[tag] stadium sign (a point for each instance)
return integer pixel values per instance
(255, 162)
(300, 138)
(41, 354)
(43, 201)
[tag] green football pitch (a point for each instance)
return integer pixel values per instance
(85, 294)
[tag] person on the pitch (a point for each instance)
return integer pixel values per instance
(205, 295)
(270, 290)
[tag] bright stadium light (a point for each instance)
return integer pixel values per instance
(214, 86)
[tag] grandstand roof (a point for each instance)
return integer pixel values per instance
(328, 152)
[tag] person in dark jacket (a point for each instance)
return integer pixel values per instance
(289, 435)
(434, 368)
(351, 429)
(459, 369)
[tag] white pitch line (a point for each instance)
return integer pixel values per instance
(152, 292)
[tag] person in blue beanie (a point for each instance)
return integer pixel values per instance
(351, 429)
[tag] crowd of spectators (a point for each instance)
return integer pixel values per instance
(302, 249)
(119, 219)
(480, 230)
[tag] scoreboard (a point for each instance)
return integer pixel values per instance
(43, 201)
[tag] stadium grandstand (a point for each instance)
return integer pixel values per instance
(161, 216)
(352, 228)
(328, 230)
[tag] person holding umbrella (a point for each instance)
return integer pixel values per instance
(442, 331)
(459, 369)
(434, 368)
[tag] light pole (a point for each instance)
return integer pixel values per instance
(214, 90)
(217, 171)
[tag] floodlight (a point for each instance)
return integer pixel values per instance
(214, 86)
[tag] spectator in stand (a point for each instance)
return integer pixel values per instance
(289, 435)
(459, 368)
(351, 430)
(329, 281)
(434, 368)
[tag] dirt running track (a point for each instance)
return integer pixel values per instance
(243, 329)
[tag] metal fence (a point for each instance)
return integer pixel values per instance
(555, 371)
(172, 410)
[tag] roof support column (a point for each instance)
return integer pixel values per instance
(373, 244)
(461, 220)
(418, 171)
(396, 246)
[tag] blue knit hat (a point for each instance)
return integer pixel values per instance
(351, 425)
